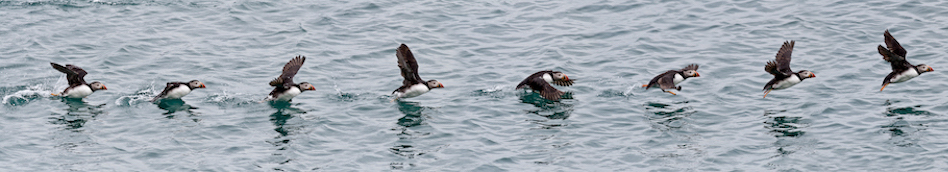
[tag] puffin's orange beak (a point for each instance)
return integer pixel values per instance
(202, 86)
(567, 77)
(812, 75)
(440, 85)
(104, 88)
(697, 74)
(931, 69)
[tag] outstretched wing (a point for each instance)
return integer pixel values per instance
(537, 83)
(74, 74)
(783, 58)
(898, 62)
(894, 45)
(771, 68)
(667, 82)
(289, 70)
(895, 54)
(408, 65)
(547, 91)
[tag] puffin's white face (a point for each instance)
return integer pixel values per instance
(196, 84)
(922, 68)
(97, 86)
(806, 74)
(691, 73)
(434, 84)
(306, 86)
(558, 76)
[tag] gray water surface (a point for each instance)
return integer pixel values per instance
(838, 121)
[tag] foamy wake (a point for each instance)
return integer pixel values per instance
(140, 96)
(24, 96)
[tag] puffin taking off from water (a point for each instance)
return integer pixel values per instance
(285, 89)
(540, 82)
(780, 68)
(77, 85)
(176, 90)
(413, 85)
(902, 70)
(667, 81)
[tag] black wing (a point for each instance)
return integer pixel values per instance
(289, 70)
(170, 86)
(655, 80)
(537, 83)
(74, 74)
(408, 66)
(894, 45)
(771, 68)
(667, 81)
(783, 58)
(898, 62)
(895, 54)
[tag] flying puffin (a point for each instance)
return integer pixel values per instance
(667, 81)
(285, 89)
(540, 82)
(176, 90)
(902, 70)
(780, 68)
(413, 85)
(77, 85)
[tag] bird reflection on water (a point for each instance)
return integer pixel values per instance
(78, 113)
(175, 105)
(413, 114)
(548, 108)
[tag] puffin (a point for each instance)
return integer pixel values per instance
(902, 70)
(780, 68)
(540, 82)
(413, 85)
(176, 90)
(670, 78)
(285, 89)
(78, 88)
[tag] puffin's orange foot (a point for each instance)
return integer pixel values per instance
(883, 86)
(673, 93)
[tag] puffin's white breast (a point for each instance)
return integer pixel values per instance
(179, 92)
(678, 78)
(413, 91)
(547, 78)
(288, 94)
(904, 76)
(786, 83)
(78, 91)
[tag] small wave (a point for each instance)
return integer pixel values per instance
(138, 97)
(25, 96)
(496, 91)
(232, 99)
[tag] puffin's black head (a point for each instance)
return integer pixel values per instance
(195, 84)
(690, 73)
(434, 84)
(804, 74)
(922, 68)
(96, 86)
(306, 86)
(559, 76)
